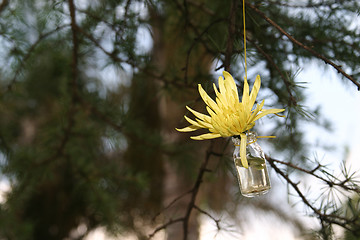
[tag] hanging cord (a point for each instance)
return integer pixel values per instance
(244, 38)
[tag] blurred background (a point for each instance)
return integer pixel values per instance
(91, 93)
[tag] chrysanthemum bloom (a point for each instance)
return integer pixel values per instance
(228, 116)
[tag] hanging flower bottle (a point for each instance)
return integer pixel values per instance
(254, 180)
(228, 116)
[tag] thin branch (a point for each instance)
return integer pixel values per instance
(98, 114)
(198, 39)
(74, 29)
(191, 205)
(294, 185)
(164, 226)
(172, 203)
(195, 191)
(329, 218)
(74, 79)
(74, 94)
(292, 100)
(195, 29)
(202, 7)
(169, 81)
(98, 45)
(231, 34)
(312, 173)
(64, 140)
(217, 221)
(98, 19)
(313, 52)
(30, 51)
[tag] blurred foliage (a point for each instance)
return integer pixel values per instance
(89, 100)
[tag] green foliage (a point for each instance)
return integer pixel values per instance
(78, 150)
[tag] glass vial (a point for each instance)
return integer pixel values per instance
(253, 180)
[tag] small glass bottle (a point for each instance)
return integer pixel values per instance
(253, 180)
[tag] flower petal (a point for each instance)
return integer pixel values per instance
(268, 111)
(219, 126)
(220, 99)
(229, 81)
(192, 122)
(256, 111)
(232, 127)
(208, 100)
(245, 97)
(206, 136)
(231, 89)
(243, 159)
(201, 116)
(204, 124)
(227, 116)
(211, 112)
(238, 125)
(255, 90)
(222, 86)
(188, 129)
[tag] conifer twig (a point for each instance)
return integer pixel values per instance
(75, 41)
(72, 109)
(198, 39)
(164, 226)
(30, 51)
(191, 205)
(346, 223)
(312, 51)
(195, 190)
(217, 221)
(292, 99)
(231, 35)
(172, 203)
(312, 173)
(98, 114)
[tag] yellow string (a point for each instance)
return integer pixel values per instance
(244, 38)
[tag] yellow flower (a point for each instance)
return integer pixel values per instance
(228, 116)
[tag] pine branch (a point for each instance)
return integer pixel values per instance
(323, 217)
(30, 51)
(292, 100)
(195, 191)
(199, 34)
(73, 83)
(72, 109)
(313, 52)
(202, 7)
(59, 151)
(231, 35)
(191, 205)
(217, 221)
(98, 114)
(312, 172)
(198, 39)
(74, 30)
(113, 56)
(172, 203)
(164, 226)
